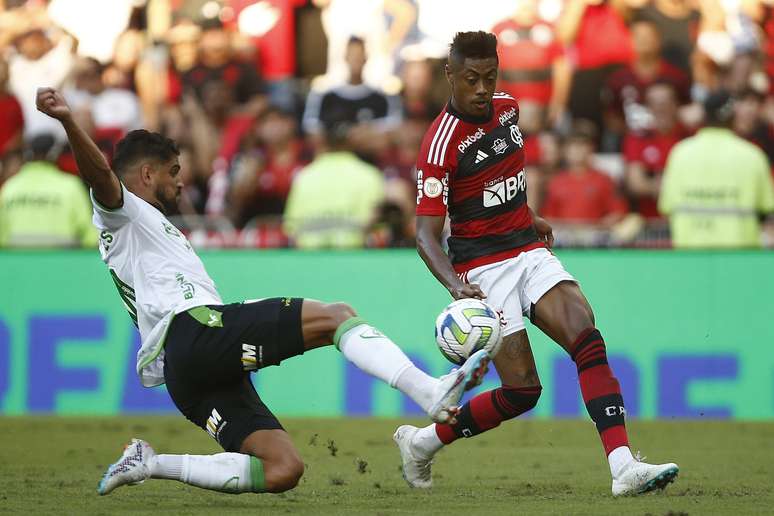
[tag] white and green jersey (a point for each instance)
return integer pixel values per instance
(157, 273)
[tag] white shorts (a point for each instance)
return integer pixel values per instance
(514, 285)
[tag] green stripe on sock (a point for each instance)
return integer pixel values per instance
(345, 327)
(256, 475)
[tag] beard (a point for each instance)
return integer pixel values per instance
(168, 203)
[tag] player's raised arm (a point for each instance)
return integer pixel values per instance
(429, 231)
(92, 165)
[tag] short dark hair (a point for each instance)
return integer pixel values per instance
(719, 108)
(474, 45)
(142, 144)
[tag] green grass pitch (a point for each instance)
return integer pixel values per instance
(51, 465)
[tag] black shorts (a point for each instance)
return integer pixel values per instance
(210, 352)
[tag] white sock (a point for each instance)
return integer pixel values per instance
(619, 459)
(426, 442)
(374, 353)
(224, 472)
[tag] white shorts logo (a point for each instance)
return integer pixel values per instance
(433, 187)
(501, 191)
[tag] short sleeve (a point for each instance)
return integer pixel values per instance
(433, 173)
(109, 218)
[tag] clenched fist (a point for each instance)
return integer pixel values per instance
(51, 102)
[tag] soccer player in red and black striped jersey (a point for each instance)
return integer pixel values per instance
(471, 167)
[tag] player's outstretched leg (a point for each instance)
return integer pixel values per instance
(564, 315)
(520, 393)
(268, 462)
(374, 353)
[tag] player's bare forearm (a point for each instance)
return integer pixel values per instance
(429, 231)
(92, 165)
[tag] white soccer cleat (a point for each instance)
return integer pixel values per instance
(416, 471)
(132, 468)
(641, 477)
(451, 386)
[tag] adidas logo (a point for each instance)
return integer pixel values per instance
(481, 156)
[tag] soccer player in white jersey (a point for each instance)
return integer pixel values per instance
(204, 350)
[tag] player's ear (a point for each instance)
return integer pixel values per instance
(146, 171)
(449, 74)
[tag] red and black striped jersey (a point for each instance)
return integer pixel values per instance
(474, 167)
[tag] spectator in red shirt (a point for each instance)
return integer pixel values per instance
(598, 43)
(625, 89)
(645, 152)
(533, 65)
(580, 194)
(271, 155)
(216, 63)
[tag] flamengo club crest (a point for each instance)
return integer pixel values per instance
(500, 146)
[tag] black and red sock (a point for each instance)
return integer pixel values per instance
(600, 389)
(487, 410)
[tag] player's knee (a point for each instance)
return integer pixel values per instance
(285, 475)
(523, 399)
(338, 313)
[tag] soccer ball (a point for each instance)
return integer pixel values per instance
(464, 327)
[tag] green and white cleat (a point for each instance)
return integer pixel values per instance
(416, 470)
(451, 386)
(641, 477)
(132, 468)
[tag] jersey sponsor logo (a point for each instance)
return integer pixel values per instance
(506, 115)
(500, 190)
(250, 361)
(215, 424)
(481, 156)
(516, 136)
(186, 286)
(433, 187)
(500, 146)
(470, 140)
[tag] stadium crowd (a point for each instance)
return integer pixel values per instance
(299, 121)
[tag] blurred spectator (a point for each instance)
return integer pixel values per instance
(334, 199)
(750, 124)
(357, 102)
(11, 124)
(270, 156)
(114, 111)
(216, 63)
(599, 43)
(366, 20)
(405, 140)
(625, 89)
(39, 61)
(533, 64)
(646, 151)
(371, 111)
(417, 95)
(677, 21)
(42, 206)
(716, 185)
(580, 194)
(270, 24)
